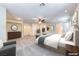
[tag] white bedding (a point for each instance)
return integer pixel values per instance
(56, 40)
(52, 40)
(63, 41)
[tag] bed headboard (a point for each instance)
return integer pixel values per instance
(76, 37)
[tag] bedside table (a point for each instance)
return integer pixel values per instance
(72, 50)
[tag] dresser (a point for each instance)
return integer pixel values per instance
(14, 35)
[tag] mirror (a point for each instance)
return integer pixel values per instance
(14, 27)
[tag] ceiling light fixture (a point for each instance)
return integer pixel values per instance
(42, 4)
(18, 18)
(39, 22)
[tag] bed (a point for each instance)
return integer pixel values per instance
(55, 40)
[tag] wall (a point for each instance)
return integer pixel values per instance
(76, 36)
(27, 29)
(36, 26)
(62, 27)
(66, 26)
(31, 28)
(77, 11)
(18, 23)
(3, 35)
(59, 28)
(9, 25)
(13, 20)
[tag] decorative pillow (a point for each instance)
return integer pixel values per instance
(1, 43)
(68, 35)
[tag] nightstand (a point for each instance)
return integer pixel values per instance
(72, 50)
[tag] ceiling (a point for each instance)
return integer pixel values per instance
(53, 12)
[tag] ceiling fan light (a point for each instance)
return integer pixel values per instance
(39, 22)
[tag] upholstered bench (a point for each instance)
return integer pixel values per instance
(9, 49)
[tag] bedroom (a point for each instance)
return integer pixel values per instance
(26, 23)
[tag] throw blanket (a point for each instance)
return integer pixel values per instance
(41, 40)
(53, 40)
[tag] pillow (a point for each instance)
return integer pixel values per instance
(68, 35)
(1, 43)
(63, 35)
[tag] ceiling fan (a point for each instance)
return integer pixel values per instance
(40, 20)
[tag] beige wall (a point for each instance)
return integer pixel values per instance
(59, 28)
(77, 12)
(9, 25)
(75, 40)
(12, 20)
(27, 29)
(30, 29)
(36, 26)
(18, 23)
